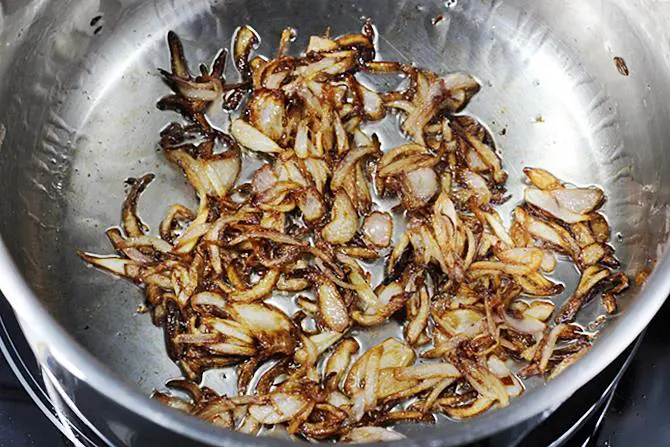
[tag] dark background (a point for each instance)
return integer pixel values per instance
(638, 414)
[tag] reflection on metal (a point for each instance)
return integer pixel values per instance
(79, 110)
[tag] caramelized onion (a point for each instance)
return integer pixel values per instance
(469, 290)
(343, 223)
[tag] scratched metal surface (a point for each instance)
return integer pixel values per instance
(79, 94)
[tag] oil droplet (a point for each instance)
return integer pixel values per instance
(451, 3)
(619, 237)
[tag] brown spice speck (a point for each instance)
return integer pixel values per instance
(438, 19)
(142, 309)
(610, 304)
(621, 66)
(641, 277)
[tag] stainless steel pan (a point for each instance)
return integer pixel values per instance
(78, 87)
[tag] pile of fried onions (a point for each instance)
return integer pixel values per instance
(473, 295)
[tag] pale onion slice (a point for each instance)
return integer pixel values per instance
(331, 64)
(147, 241)
(112, 264)
(453, 91)
(269, 325)
(382, 311)
(395, 354)
(405, 165)
(209, 299)
(262, 289)
(267, 113)
(495, 222)
(249, 426)
(229, 328)
(393, 390)
(388, 292)
(542, 179)
(488, 156)
(369, 301)
(319, 44)
(319, 343)
(378, 229)
(478, 186)
(232, 349)
(303, 144)
(319, 171)
(209, 177)
(391, 387)
(427, 371)
(332, 308)
(547, 345)
(173, 402)
(418, 318)
(132, 224)
(527, 325)
(421, 185)
(540, 310)
(549, 262)
(245, 41)
(399, 152)
(371, 385)
(429, 403)
(531, 258)
(208, 91)
(510, 269)
(282, 408)
(600, 228)
(343, 223)
(338, 399)
(555, 235)
(338, 363)
(264, 179)
(345, 167)
(567, 362)
(476, 408)
(548, 203)
(481, 379)
(311, 205)
(252, 138)
(579, 200)
(592, 255)
(513, 385)
(590, 278)
(537, 285)
(187, 241)
(365, 435)
(459, 321)
(475, 162)
(372, 103)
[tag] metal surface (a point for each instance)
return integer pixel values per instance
(638, 413)
(572, 424)
(78, 117)
(20, 407)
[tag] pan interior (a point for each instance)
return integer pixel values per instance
(80, 110)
